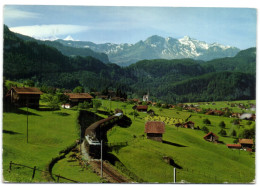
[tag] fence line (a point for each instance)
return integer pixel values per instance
(35, 169)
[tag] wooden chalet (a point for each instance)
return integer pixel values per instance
(247, 116)
(151, 112)
(155, 130)
(246, 144)
(211, 137)
(24, 96)
(76, 98)
(189, 125)
(142, 108)
(234, 146)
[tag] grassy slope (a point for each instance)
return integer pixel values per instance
(74, 171)
(202, 162)
(222, 104)
(49, 132)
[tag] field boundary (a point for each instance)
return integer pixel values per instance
(35, 169)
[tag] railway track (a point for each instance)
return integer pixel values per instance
(116, 178)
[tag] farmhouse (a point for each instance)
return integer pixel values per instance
(154, 130)
(189, 125)
(24, 96)
(247, 116)
(211, 137)
(76, 98)
(234, 146)
(142, 108)
(246, 144)
(151, 112)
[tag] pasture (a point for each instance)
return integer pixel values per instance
(196, 160)
(199, 161)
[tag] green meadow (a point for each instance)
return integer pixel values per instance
(196, 160)
(48, 133)
(199, 161)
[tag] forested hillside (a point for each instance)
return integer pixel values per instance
(67, 50)
(244, 61)
(171, 81)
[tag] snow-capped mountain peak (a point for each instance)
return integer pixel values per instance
(157, 47)
(50, 38)
(69, 38)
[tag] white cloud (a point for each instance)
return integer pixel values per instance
(13, 13)
(47, 31)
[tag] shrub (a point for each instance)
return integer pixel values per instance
(84, 105)
(222, 124)
(235, 121)
(233, 133)
(205, 129)
(206, 121)
(134, 114)
(222, 132)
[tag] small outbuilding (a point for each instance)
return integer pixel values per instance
(76, 98)
(211, 137)
(142, 108)
(189, 125)
(234, 146)
(155, 130)
(151, 112)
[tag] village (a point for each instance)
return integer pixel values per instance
(157, 121)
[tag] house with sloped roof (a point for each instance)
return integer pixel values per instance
(142, 108)
(76, 98)
(246, 144)
(155, 130)
(234, 146)
(211, 137)
(24, 96)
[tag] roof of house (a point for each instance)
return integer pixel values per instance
(246, 141)
(246, 116)
(26, 90)
(210, 133)
(79, 95)
(234, 145)
(142, 107)
(154, 127)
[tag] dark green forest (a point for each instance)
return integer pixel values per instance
(168, 81)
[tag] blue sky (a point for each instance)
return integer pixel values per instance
(228, 26)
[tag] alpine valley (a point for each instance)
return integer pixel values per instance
(171, 70)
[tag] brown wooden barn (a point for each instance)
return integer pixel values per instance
(211, 137)
(24, 96)
(189, 125)
(234, 146)
(154, 130)
(76, 98)
(142, 108)
(247, 144)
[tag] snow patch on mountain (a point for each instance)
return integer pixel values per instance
(157, 47)
(68, 38)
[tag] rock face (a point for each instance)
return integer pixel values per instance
(157, 47)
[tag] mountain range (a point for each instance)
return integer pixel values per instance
(171, 81)
(156, 47)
